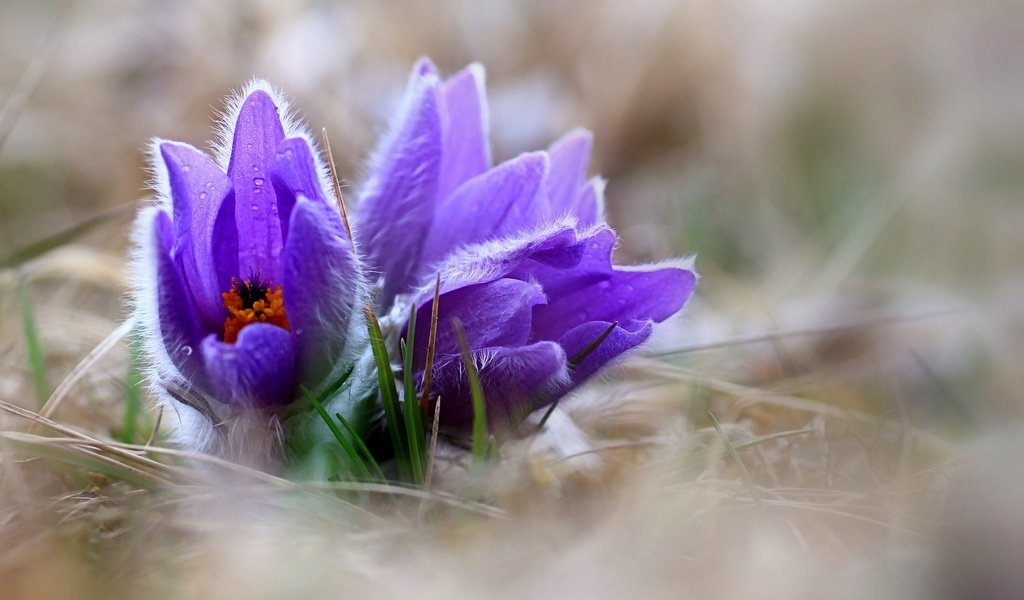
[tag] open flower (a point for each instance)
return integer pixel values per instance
(522, 249)
(247, 285)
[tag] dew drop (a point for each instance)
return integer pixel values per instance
(202, 195)
(187, 350)
(258, 181)
(288, 153)
(186, 168)
(255, 168)
(255, 206)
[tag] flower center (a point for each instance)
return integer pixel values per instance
(252, 301)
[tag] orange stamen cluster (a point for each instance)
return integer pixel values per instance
(252, 301)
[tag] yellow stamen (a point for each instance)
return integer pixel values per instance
(269, 309)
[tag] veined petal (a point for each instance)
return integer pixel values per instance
(557, 245)
(257, 370)
(466, 152)
(323, 292)
(515, 381)
(258, 132)
(626, 336)
(205, 237)
(294, 174)
(492, 205)
(569, 157)
(643, 295)
(493, 314)
(589, 207)
(594, 265)
(178, 324)
(399, 199)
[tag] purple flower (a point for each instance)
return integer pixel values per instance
(522, 249)
(246, 283)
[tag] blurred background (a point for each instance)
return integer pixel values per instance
(849, 174)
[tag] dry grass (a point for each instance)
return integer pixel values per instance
(837, 415)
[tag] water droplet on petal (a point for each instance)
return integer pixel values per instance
(186, 350)
(255, 168)
(258, 181)
(255, 206)
(186, 168)
(202, 195)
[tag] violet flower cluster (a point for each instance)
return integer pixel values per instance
(522, 248)
(250, 294)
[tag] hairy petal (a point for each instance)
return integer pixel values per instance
(256, 371)
(557, 245)
(625, 336)
(294, 174)
(399, 199)
(589, 208)
(205, 237)
(258, 131)
(627, 295)
(178, 324)
(493, 314)
(466, 152)
(569, 157)
(323, 292)
(492, 205)
(516, 381)
(594, 265)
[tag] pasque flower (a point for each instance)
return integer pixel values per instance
(522, 249)
(247, 285)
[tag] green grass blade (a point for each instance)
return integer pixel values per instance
(480, 437)
(410, 407)
(368, 458)
(346, 445)
(389, 395)
(132, 393)
(36, 357)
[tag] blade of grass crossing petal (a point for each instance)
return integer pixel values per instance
(356, 461)
(480, 438)
(389, 395)
(574, 362)
(428, 372)
(361, 447)
(410, 404)
(36, 357)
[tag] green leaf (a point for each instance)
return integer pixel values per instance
(389, 395)
(410, 408)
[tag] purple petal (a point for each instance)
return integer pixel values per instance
(558, 245)
(628, 295)
(626, 336)
(178, 324)
(494, 204)
(569, 157)
(589, 207)
(399, 199)
(205, 238)
(516, 381)
(322, 286)
(294, 173)
(257, 370)
(594, 265)
(258, 132)
(466, 150)
(493, 314)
